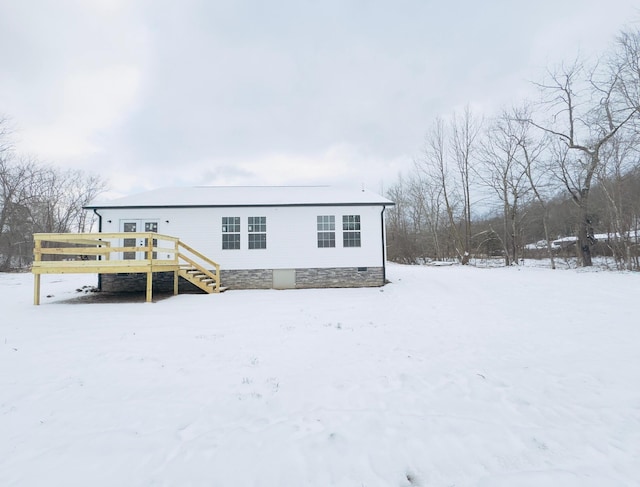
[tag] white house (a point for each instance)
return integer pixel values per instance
(264, 237)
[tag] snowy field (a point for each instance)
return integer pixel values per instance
(448, 376)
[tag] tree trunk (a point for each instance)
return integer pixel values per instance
(505, 228)
(585, 233)
(546, 236)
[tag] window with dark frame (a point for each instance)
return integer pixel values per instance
(257, 228)
(151, 227)
(230, 233)
(351, 230)
(326, 231)
(129, 242)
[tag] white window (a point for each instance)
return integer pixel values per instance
(326, 231)
(230, 232)
(351, 230)
(257, 227)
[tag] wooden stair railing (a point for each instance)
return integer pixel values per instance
(196, 273)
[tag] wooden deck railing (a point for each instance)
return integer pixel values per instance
(106, 253)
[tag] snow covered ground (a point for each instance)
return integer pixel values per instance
(448, 376)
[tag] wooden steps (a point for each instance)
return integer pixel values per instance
(201, 278)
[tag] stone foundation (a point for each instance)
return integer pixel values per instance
(137, 283)
(339, 277)
(251, 279)
(247, 278)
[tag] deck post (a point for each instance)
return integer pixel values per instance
(37, 257)
(150, 264)
(176, 273)
(36, 289)
(175, 283)
(149, 287)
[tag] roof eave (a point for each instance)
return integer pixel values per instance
(265, 205)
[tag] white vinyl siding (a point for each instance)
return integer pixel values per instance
(292, 234)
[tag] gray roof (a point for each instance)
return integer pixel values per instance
(234, 196)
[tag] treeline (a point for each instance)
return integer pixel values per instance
(36, 197)
(567, 164)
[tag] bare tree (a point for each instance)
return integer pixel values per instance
(573, 164)
(400, 234)
(464, 133)
(506, 178)
(435, 169)
(38, 198)
(585, 113)
(16, 196)
(60, 198)
(613, 178)
(531, 158)
(428, 196)
(626, 62)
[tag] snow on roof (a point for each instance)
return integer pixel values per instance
(203, 196)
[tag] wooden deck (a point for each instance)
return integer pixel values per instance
(120, 253)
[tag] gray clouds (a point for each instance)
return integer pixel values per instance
(211, 92)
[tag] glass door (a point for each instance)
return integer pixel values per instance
(138, 245)
(130, 226)
(151, 227)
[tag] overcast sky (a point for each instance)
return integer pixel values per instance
(194, 92)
